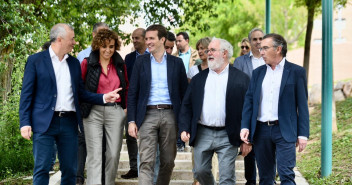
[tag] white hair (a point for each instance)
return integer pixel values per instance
(225, 45)
(59, 30)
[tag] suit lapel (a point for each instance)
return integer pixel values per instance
(260, 82)
(249, 62)
(170, 66)
(49, 65)
(71, 66)
(148, 70)
(285, 75)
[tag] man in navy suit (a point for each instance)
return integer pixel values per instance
(157, 86)
(275, 115)
(210, 116)
(49, 106)
(138, 36)
(247, 63)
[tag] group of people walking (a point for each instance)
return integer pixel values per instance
(257, 107)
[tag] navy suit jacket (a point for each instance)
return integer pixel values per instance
(138, 93)
(129, 61)
(192, 104)
(293, 103)
(244, 63)
(39, 91)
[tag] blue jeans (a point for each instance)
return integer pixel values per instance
(63, 131)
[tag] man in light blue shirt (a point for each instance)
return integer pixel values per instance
(158, 84)
(85, 53)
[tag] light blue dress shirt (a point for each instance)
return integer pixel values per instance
(159, 91)
(185, 58)
(84, 53)
(146, 52)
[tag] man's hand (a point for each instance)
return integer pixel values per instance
(185, 136)
(245, 149)
(112, 96)
(132, 129)
(26, 132)
(301, 143)
(244, 135)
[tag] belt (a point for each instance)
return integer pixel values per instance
(212, 128)
(64, 113)
(269, 123)
(112, 104)
(160, 106)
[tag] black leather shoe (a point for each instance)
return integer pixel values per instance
(79, 181)
(130, 174)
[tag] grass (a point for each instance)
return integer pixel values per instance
(309, 161)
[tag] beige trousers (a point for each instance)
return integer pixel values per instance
(108, 119)
(159, 127)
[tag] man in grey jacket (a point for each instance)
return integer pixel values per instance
(247, 63)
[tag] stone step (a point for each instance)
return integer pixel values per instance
(173, 182)
(179, 164)
(186, 174)
(124, 148)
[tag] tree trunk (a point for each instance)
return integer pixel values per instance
(308, 39)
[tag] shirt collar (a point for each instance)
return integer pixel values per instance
(53, 55)
(145, 52)
(281, 64)
(188, 52)
(152, 58)
(251, 55)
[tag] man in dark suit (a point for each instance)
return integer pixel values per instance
(49, 106)
(247, 63)
(157, 86)
(138, 36)
(275, 115)
(210, 116)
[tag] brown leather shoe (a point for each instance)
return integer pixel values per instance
(130, 174)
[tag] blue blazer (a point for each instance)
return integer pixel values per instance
(293, 102)
(244, 63)
(138, 92)
(129, 61)
(192, 104)
(39, 91)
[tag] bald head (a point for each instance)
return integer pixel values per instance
(138, 40)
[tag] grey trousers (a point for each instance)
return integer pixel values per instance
(159, 127)
(207, 143)
(112, 119)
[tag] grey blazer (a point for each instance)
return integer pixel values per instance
(244, 63)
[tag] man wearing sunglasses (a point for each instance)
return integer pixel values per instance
(247, 63)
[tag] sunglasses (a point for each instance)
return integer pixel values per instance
(242, 47)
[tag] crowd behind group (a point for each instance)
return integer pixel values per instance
(256, 107)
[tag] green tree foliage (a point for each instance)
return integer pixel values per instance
(313, 7)
(232, 20)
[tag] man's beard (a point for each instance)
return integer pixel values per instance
(216, 63)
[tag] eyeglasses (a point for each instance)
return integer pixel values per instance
(265, 48)
(260, 39)
(212, 50)
(242, 47)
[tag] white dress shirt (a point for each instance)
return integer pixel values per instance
(64, 101)
(268, 107)
(256, 62)
(214, 102)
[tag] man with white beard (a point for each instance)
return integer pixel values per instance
(211, 113)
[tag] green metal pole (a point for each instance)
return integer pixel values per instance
(327, 90)
(267, 16)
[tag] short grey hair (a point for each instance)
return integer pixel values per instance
(225, 45)
(59, 30)
(253, 30)
(98, 25)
